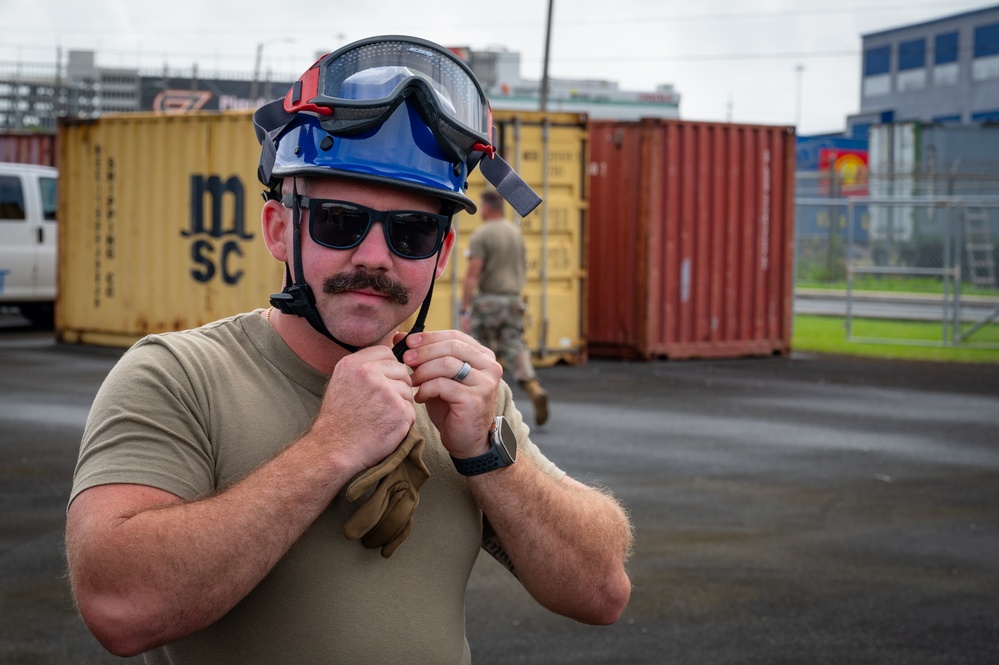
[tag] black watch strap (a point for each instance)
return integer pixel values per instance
(474, 466)
(502, 451)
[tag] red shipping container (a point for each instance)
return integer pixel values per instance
(28, 148)
(690, 240)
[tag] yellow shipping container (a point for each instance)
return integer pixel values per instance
(554, 234)
(160, 227)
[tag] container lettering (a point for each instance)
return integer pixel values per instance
(209, 255)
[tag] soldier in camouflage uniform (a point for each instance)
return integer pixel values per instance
(492, 309)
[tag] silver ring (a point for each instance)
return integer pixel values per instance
(465, 370)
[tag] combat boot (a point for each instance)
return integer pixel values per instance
(539, 397)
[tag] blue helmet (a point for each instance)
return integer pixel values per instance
(395, 110)
(401, 151)
(391, 109)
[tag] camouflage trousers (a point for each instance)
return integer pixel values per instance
(497, 322)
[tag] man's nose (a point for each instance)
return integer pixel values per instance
(373, 252)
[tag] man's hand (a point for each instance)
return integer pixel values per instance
(461, 410)
(368, 406)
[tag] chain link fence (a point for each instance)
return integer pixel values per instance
(901, 269)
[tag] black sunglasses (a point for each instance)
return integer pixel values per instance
(411, 234)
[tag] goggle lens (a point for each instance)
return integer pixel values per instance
(410, 234)
(377, 71)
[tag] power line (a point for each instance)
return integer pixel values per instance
(715, 56)
(562, 23)
(790, 13)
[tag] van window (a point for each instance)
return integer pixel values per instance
(11, 198)
(48, 187)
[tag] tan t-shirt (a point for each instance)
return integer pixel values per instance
(194, 412)
(500, 245)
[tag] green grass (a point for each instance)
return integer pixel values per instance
(897, 285)
(824, 334)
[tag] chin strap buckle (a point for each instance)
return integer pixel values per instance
(296, 299)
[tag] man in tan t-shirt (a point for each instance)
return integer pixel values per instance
(492, 308)
(308, 482)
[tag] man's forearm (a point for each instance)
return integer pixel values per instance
(567, 543)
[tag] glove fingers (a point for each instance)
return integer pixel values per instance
(385, 519)
(399, 512)
(390, 547)
(367, 516)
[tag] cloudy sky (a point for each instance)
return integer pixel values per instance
(756, 61)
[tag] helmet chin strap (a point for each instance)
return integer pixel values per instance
(298, 299)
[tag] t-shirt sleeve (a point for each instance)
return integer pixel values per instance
(477, 245)
(147, 427)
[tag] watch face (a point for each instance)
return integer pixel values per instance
(506, 440)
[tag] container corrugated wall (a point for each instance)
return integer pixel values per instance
(28, 148)
(160, 227)
(691, 239)
(554, 233)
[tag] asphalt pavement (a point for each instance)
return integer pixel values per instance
(808, 509)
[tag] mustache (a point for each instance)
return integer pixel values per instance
(360, 279)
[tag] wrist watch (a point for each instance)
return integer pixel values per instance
(502, 451)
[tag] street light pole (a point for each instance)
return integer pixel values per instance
(255, 85)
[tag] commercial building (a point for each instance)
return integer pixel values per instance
(499, 72)
(940, 71)
(34, 95)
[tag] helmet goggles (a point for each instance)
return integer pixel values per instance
(355, 88)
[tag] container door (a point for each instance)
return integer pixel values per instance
(19, 242)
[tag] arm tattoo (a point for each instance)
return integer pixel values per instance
(492, 545)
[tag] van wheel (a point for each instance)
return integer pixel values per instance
(42, 314)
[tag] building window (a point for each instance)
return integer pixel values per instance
(987, 40)
(945, 66)
(912, 55)
(877, 61)
(911, 65)
(945, 48)
(986, 51)
(985, 116)
(877, 71)
(860, 130)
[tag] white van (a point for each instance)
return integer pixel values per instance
(28, 239)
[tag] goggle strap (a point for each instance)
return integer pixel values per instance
(268, 122)
(510, 186)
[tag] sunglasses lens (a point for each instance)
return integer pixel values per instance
(413, 235)
(339, 226)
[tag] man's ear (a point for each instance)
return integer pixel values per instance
(275, 223)
(447, 245)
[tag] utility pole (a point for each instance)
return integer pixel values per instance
(543, 106)
(799, 68)
(255, 85)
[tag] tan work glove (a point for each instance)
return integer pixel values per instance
(386, 518)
